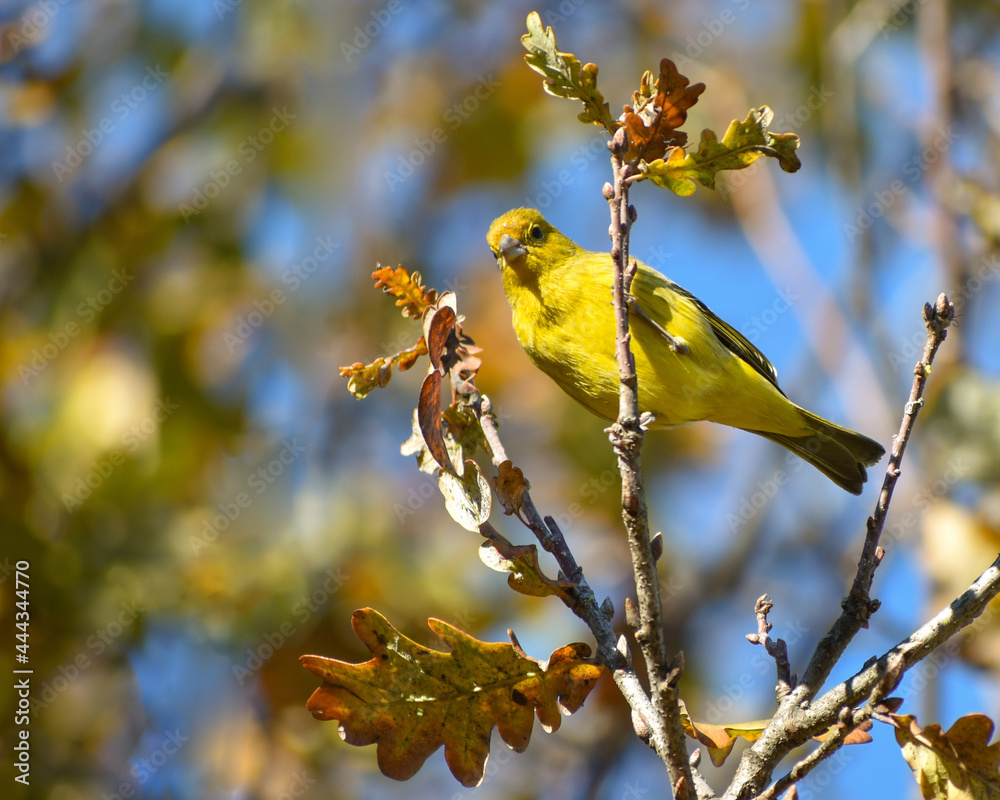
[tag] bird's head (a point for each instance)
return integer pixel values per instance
(526, 246)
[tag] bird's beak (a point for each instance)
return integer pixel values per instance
(511, 248)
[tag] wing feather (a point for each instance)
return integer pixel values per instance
(645, 287)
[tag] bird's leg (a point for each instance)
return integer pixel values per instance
(676, 343)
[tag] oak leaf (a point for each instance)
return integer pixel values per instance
(958, 765)
(660, 109)
(411, 294)
(743, 143)
(510, 486)
(719, 739)
(467, 496)
(410, 700)
(564, 75)
(363, 378)
(521, 561)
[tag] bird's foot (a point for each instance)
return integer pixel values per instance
(675, 343)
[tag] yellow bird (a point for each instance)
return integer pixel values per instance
(691, 365)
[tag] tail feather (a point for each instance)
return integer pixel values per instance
(839, 453)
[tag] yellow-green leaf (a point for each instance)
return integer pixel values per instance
(564, 75)
(742, 145)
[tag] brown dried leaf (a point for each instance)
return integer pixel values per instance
(510, 487)
(654, 122)
(439, 324)
(410, 700)
(958, 765)
(521, 561)
(429, 418)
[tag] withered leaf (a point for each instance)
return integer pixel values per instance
(742, 145)
(409, 700)
(429, 417)
(719, 739)
(510, 487)
(959, 764)
(363, 378)
(439, 324)
(653, 124)
(521, 561)
(463, 433)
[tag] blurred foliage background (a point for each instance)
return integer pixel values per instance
(193, 196)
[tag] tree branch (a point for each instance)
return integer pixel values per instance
(796, 720)
(646, 719)
(626, 436)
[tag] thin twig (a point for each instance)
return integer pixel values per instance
(858, 606)
(795, 720)
(776, 648)
(626, 436)
(584, 604)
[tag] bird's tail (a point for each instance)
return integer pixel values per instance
(839, 453)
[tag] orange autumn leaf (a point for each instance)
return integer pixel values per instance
(411, 294)
(409, 700)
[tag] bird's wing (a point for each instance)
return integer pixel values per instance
(652, 289)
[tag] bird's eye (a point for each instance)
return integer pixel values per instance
(495, 256)
(536, 233)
